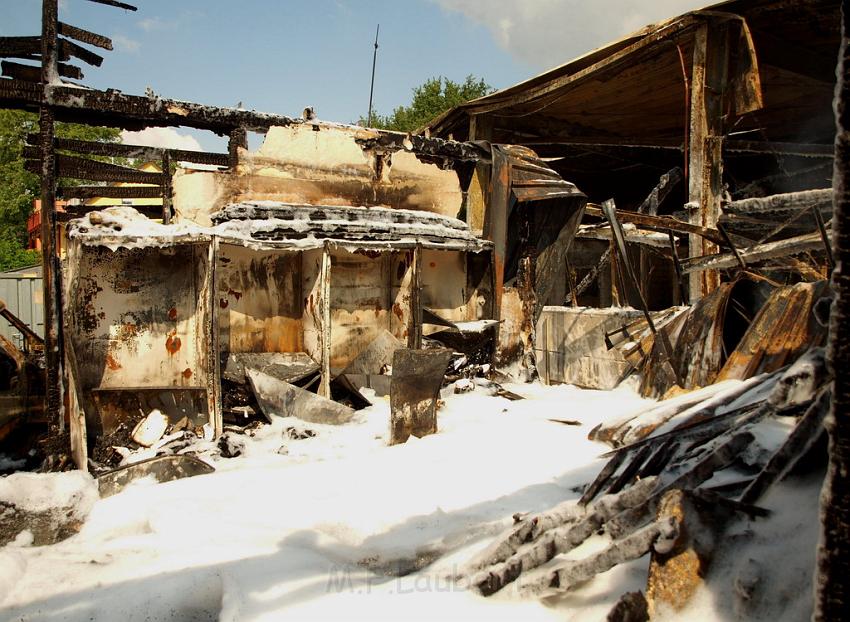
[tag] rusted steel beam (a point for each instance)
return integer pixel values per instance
(111, 192)
(85, 36)
(659, 223)
(116, 4)
(136, 151)
(32, 73)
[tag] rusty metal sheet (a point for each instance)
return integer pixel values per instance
(784, 328)
(162, 468)
(278, 398)
(698, 348)
(288, 366)
(417, 377)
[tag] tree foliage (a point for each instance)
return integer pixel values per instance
(431, 99)
(18, 187)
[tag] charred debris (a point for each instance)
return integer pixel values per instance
(690, 248)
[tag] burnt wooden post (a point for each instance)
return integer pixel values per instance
(325, 310)
(831, 585)
(238, 138)
(414, 331)
(709, 77)
(50, 259)
(166, 188)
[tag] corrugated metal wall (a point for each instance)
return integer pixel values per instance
(23, 296)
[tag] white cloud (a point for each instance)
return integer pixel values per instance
(150, 24)
(163, 137)
(547, 33)
(125, 44)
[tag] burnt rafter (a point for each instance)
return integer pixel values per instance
(78, 51)
(92, 170)
(135, 151)
(116, 4)
(31, 73)
(84, 36)
(110, 192)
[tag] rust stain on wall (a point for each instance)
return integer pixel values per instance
(187, 373)
(112, 363)
(172, 344)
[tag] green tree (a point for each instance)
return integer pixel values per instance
(430, 99)
(18, 187)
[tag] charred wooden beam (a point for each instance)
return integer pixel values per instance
(92, 170)
(78, 51)
(136, 151)
(14, 46)
(115, 109)
(659, 223)
(760, 252)
(422, 145)
(51, 270)
(85, 36)
(111, 192)
(832, 590)
(116, 4)
(32, 73)
(709, 76)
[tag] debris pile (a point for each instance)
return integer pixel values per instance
(680, 471)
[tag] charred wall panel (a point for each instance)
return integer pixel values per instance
(259, 300)
(444, 285)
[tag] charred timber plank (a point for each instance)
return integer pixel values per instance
(604, 475)
(13, 46)
(116, 4)
(658, 223)
(92, 170)
(31, 73)
(111, 192)
(562, 539)
(761, 252)
(137, 151)
(85, 36)
(629, 520)
(78, 51)
(801, 439)
(630, 470)
(574, 572)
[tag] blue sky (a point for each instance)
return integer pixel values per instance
(280, 56)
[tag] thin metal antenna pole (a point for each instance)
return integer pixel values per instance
(372, 85)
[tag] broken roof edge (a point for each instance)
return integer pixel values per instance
(449, 119)
(123, 227)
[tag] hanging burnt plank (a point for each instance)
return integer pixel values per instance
(111, 192)
(31, 73)
(78, 51)
(116, 4)
(85, 36)
(91, 170)
(659, 223)
(136, 151)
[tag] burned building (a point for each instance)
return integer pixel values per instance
(306, 253)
